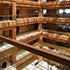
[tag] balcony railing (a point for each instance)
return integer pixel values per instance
(7, 0)
(56, 20)
(28, 3)
(44, 53)
(57, 5)
(26, 21)
(7, 24)
(33, 20)
(57, 37)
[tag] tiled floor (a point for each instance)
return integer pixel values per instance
(23, 36)
(10, 68)
(5, 47)
(40, 66)
(35, 65)
(22, 54)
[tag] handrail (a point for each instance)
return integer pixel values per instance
(44, 53)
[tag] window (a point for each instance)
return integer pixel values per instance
(44, 12)
(64, 11)
(61, 11)
(67, 11)
(44, 1)
(63, 0)
(36, 11)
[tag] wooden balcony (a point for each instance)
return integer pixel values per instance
(26, 21)
(33, 4)
(18, 22)
(28, 37)
(56, 20)
(33, 20)
(8, 52)
(57, 37)
(44, 53)
(7, 24)
(58, 5)
(7, 49)
(6, 1)
(28, 4)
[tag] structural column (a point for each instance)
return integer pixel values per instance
(0, 32)
(14, 9)
(13, 58)
(40, 28)
(14, 33)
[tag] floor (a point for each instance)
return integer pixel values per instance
(35, 65)
(40, 66)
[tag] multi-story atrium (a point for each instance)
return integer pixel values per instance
(34, 34)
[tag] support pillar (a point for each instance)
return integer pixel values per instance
(1, 40)
(14, 33)
(0, 32)
(40, 29)
(12, 58)
(14, 10)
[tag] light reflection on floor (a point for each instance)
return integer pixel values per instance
(40, 66)
(22, 55)
(35, 65)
